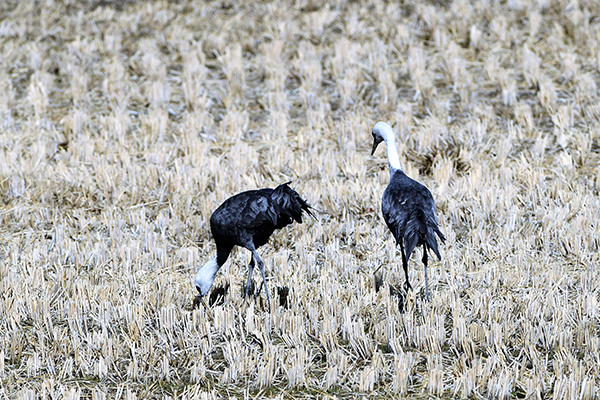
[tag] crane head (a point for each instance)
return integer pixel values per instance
(381, 131)
(206, 276)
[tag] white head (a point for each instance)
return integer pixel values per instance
(206, 276)
(381, 131)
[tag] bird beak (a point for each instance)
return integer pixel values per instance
(375, 144)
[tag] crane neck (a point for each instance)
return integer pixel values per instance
(206, 276)
(392, 152)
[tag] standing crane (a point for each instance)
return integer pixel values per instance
(248, 219)
(407, 206)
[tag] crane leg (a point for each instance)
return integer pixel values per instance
(250, 270)
(407, 285)
(261, 267)
(426, 280)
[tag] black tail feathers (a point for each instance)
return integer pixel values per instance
(422, 230)
(290, 202)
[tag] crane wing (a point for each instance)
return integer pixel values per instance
(257, 211)
(242, 213)
(252, 216)
(409, 212)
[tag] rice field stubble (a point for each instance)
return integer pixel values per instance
(125, 124)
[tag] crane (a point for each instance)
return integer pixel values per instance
(248, 219)
(407, 206)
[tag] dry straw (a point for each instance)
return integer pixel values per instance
(123, 125)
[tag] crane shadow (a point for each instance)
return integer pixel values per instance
(401, 295)
(395, 291)
(283, 294)
(217, 295)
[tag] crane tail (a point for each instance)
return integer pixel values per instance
(290, 203)
(432, 244)
(422, 230)
(410, 242)
(432, 231)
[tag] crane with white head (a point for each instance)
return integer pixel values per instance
(407, 206)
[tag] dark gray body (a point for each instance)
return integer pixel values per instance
(249, 218)
(409, 212)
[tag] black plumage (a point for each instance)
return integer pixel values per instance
(409, 212)
(408, 208)
(248, 219)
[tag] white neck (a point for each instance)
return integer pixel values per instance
(392, 152)
(206, 276)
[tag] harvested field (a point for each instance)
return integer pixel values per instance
(124, 124)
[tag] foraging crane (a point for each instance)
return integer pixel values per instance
(248, 219)
(407, 206)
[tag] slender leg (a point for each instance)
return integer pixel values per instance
(407, 285)
(250, 270)
(425, 263)
(262, 271)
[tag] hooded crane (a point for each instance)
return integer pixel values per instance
(248, 219)
(407, 207)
